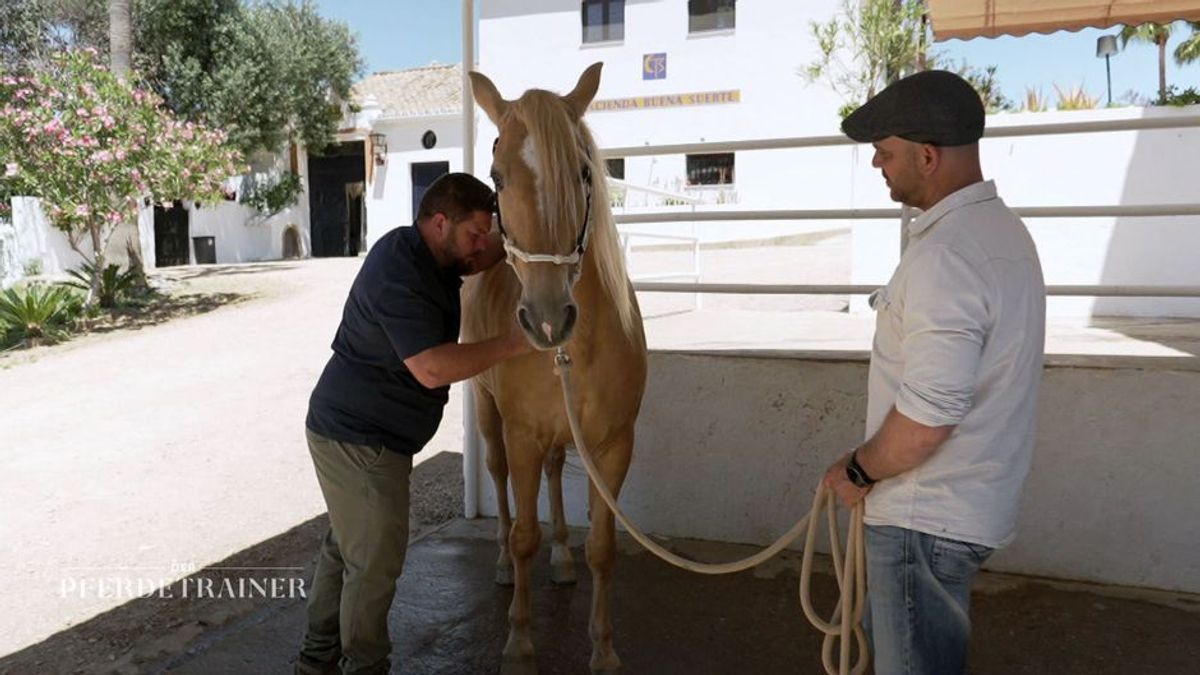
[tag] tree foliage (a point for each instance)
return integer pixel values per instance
(867, 46)
(266, 72)
(92, 146)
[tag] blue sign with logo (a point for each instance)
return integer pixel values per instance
(654, 66)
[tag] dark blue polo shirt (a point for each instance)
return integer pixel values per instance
(401, 304)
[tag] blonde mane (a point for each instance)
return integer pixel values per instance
(563, 148)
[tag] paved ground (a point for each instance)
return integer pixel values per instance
(450, 617)
(143, 456)
(160, 454)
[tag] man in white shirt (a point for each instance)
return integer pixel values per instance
(954, 376)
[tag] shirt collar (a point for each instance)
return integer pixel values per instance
(424, 257)
(972, 194)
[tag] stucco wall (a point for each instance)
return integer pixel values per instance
(730, 448)
(761, 59)
(37, 240)
(390, 194)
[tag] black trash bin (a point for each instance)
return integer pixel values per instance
(206, 250)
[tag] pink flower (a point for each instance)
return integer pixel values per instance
(102, 156)
(82, 210)
(10, 169)
(82, 112)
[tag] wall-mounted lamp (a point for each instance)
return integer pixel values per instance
(1106, 46)
(379, 147)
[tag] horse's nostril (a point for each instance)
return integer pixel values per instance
(523, 319)
(572, 313)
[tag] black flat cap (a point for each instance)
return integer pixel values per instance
(934, 106)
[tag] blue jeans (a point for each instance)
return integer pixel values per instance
(918, 596)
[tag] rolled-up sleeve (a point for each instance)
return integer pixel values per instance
(946, 319)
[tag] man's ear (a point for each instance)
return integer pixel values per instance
(929, 158)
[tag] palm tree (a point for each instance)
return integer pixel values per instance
(119, 29)
(1188, 51)
(1156, 34)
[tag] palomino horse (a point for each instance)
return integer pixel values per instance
(567, 285)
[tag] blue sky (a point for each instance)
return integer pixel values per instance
(398, 34)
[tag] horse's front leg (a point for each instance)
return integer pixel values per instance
(491, 426)
(612, 462)
(524, 466)
(562, 564)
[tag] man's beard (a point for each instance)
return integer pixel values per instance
(458, 263)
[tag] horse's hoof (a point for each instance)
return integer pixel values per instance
(563, 574)
(609, 664)
(504, 575)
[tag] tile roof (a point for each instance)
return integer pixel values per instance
(435, 89)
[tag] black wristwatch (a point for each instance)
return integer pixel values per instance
(855, 473)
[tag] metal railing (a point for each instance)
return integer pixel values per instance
(1153, 122)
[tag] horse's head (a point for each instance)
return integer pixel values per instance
(542, 167)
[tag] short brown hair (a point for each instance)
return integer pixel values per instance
(457, 195)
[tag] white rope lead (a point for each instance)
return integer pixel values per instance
(850, 570)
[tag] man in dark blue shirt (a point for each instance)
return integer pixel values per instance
(379, 401)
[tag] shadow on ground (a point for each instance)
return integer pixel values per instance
(146, 634)
(200, 271)
(1182, 335)
(449, 616)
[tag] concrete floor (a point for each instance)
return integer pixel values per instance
(449, 617)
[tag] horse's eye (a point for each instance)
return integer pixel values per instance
(499, 182)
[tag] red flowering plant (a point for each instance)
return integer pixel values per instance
(92, 146)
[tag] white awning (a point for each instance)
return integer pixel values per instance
(990, 18)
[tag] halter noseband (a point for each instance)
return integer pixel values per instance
(581, 243)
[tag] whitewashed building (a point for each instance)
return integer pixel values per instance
(694, 71)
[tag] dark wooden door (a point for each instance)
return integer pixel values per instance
(423, 175)
(171, 235)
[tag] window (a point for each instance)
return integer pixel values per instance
(616, 168)
(716, 169)
(705, 15)
(603, 20)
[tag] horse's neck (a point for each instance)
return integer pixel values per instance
(598, 311)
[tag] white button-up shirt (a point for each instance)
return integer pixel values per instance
(959, 339)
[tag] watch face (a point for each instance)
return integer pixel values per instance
(855, 476)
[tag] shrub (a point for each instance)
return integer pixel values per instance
(114, 284)
(1076, 98)
(37, 314)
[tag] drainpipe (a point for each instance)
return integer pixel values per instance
(472, 446)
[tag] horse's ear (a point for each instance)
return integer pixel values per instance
(585, 90)
(488, 97)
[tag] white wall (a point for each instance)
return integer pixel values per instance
(243, 235)
(389, 196)
(37, 240)
(761, 57)
(1109, 498)
(1092, 169)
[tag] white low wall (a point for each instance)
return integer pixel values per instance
(730, 448)
(241, 234)
(37, 241)
(1126, 168)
